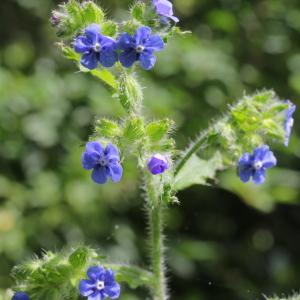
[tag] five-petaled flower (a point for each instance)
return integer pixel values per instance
(139, 47)
(289, 121)
(20, 296)
(255, 165)
(96, 48)
(164, 8)
(158, 164)
(100, 285)
(104, 162)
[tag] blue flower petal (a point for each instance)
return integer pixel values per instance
(111, 151)
(86, 287)
(141, 35)
(96, 296)
(165, 8)
(260, 152)
(116, 172)
(108, 58)
(94, 146)
(112, 291)
(147, 60)
(99, 175)
(125, 41)
(82, 44)
(92, 154)
(128, 58)
(20, 296)
(89, 60)
(245, 173)
(95, 272)
(154, 43)
(93, 32)
(259, 176)
(269, 160)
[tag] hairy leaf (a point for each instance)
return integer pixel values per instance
(198, 171)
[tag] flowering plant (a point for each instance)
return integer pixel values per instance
(242, 138)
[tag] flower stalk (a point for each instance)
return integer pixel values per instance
(155, 211)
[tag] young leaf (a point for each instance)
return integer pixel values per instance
(132, 275)
(198, 171)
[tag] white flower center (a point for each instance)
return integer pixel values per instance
(257, 165)
(97, 47)
(100, 285)
(140, 49)
(102, 161)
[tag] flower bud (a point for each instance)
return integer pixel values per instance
(158, 164)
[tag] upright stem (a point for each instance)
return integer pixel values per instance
(156, 224)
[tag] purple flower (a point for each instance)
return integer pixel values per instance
(289, 121)
(100, 285)
(104, 162)
(164, 8)
(255, 165)
(139, 47)
(20, 296)
(158, 164)
(96, 48)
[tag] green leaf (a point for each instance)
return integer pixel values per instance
(134, 129)
(92, 13)
(109, 28)
(106, 77)
(133, 276)
(80, 257)
(138, 11)
(158, 129)
(103, 74)
(107, 128)
(198, 171)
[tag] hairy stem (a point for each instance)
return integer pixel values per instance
(193, 148)
(156, 224)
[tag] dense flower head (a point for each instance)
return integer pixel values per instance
(158, 164)
(289, 121)
(255, 165)
(139, 47)
(105, 163)
(96, 48)
(164, 8)
(20, 296)
(100, 284)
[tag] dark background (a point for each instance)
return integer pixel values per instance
(236, 242)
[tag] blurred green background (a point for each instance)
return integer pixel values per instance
(235, 242)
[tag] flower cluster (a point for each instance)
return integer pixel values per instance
(96, 48)
(255, 165)
(101, 284)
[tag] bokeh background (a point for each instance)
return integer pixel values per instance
(234, 242)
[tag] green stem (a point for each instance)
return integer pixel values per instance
(193, 148)
(156, 224)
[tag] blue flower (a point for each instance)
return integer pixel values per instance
(289, 121)
(164, 8)
(158, 164)
(20, 296)
(100, 285)
(96, 48)
(255, 165)
(139, 47)
(104, 162)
